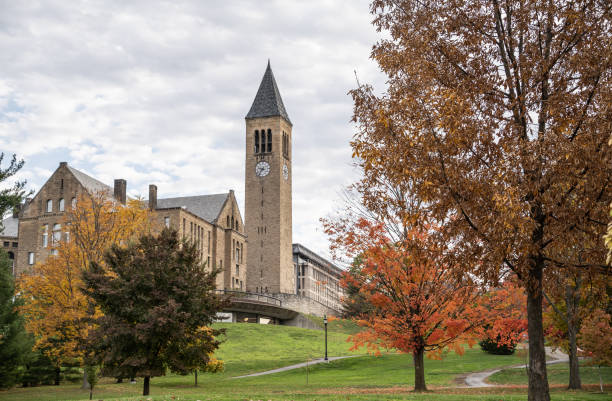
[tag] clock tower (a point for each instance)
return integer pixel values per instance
(268, 192)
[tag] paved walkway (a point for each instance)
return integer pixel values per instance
(478, 379)
(296, 366)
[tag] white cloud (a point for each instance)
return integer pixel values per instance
(156, 92)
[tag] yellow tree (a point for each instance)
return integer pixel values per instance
(55, 309)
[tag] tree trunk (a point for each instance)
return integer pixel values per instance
(574, 380)
(572, 300)
(85, 384)
(58, 370)
(196, 377)
(145, 387)
(419, 370)
(538, 381)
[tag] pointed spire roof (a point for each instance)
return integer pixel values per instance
(268, 101)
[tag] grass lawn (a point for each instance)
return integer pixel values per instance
(557, 374)
(252, 348)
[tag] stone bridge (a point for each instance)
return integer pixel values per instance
(282, 309)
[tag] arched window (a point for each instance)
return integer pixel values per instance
(73, 203)
(61, 205)
(49, 205)
(256, 141)
(269, 140)
(232, 222)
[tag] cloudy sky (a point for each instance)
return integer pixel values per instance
(156, 92)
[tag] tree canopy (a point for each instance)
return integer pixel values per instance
(56, 310)
(497, 114)
(158, 302)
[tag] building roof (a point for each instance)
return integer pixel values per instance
(306, 253)
(268, 101)
(207, 207)
(90, 183)
(10, 227)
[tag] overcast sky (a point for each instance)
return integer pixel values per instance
(156, 92)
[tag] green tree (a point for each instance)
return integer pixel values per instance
(15, 343)
(156, 297)
(12, 195)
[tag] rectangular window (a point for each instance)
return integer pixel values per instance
(57, 234)
(209, 242)
(6, 243)
(45, 236)
(30, 258)
(237, 270)
(269, 140)
(14, 244)
(49, 206)
(256, 141)
(167, 221)
(61, 204)
(208, 261)
(220, 264)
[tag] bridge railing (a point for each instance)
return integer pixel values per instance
(252, 296)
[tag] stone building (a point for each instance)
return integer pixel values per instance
(317, 278)
(272, 265)
(268, 177)
(213, 222)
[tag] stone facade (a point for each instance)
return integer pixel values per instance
(317, 278)
(213, 222)
(268, 192)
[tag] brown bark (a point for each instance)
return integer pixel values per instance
(574, 381)
(572, 299)
(145, 386)
(538, 381)
(419, 370)
(57, 375)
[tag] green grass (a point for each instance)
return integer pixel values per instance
(250, 348)
(557, 374)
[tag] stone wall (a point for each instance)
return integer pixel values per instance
(305, 305)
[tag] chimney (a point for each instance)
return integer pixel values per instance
(152, 197)
(119, 190)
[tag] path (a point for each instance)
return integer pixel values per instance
(296, 366)
(478, 379)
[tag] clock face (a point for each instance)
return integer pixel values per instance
(262, 169)
(285, 172)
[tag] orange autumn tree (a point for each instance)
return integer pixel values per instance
(55, 309)
(506, 325)
(418, 304)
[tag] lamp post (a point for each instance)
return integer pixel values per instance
(325, 323)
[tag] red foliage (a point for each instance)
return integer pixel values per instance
(420, 304)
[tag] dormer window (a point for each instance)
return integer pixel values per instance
(49, 205)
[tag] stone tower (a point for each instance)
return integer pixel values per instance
(268, 192)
